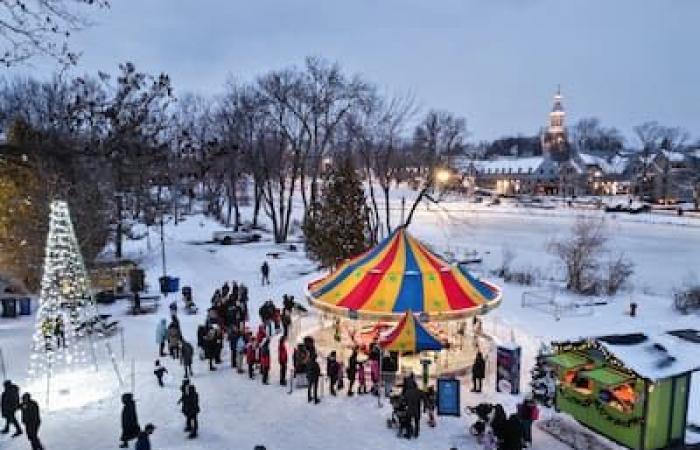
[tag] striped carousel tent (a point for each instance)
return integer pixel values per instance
(409, 335)
(400, 274)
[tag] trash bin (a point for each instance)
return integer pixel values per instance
(169, 285)
(9, 307)
(25, 306)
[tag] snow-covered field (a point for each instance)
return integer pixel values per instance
(238, 413)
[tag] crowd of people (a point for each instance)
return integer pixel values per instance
(496, 430)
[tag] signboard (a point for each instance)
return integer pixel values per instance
(508, 369)
(448, 403)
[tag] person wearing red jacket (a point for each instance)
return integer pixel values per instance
(250, 357)
(265, 360)
(282, 360)
(261, 333)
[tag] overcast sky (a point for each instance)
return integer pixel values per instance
(496, 62)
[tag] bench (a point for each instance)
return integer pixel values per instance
(147, 304)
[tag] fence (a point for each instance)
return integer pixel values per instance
(546, 301)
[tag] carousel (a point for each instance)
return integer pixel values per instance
(364, 300)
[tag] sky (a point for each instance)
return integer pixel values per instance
(495, 62)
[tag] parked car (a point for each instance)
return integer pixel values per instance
(229, 237)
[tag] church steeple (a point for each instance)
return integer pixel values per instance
(554, 141)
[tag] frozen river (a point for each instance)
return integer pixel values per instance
(665, 254)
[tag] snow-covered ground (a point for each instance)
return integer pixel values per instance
(238, 413)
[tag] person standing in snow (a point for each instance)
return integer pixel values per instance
(313, 373)
(143, 441)
(161, 336)
(210, 347)
(527, 413)
(414, 400)
(282, 360)
(190, 407)
(250, 357)
(159, 371)
(478, 372)
(265, 270)
(351, 370)
(31, 420)
(233, 337)
(332, 371)
(265, 360)
(187, 354)
(130, 422)
(174, 340)
(10, 404)
(361, 380)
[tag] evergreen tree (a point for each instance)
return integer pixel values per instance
(337, 227)
(64, 303)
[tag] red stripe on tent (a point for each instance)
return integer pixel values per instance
(365, 288)
(391, 337)
(456, 297)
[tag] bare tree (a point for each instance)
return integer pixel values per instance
(580, 253)
(41, 27)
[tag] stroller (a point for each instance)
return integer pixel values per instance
(482, 412)
(190, 306)
(399, 417)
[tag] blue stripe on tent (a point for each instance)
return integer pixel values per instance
(481, 287)
(411, 292)
(424, 340)
(351, 268)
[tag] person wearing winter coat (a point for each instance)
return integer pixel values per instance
(261, 333)
(351, 370)
(210, 347)
(130, 422)
(282, 360)
(374, 375)
(161, 336)
(174, 340)
(143, 441)
(498, 422)
(159, 371)
(190, 406)
(312, 375)
(265, 360)
(513, 434)
(240, 353)
(233, 336)
(31, 420)
(478, 372)
(250, 357)
(332, 371)
(265, 271)
(10, 404)
(361, 380)
(187, 355)
(527, 413)
(414, 401)
(286, 322)
(429, 404)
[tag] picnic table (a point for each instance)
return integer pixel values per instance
(146, 304)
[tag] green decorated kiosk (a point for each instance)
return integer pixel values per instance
(633, 389)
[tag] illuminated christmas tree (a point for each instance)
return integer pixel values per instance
(65, 305)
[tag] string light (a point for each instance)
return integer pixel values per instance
(64, 302)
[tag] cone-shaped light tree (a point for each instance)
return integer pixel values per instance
(65, 303)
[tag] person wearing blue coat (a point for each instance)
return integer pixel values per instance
(143, 442)
(162, 336)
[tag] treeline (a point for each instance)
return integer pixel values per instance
(124, 149)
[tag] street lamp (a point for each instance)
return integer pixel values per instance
(442, 176)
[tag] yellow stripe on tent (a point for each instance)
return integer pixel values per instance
(338, 293)
(384, 296)
(434, 295)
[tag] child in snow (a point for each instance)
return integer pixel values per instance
(362, 388)
(159, 371)
(250, 357)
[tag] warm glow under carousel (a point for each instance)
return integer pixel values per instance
(365, 299)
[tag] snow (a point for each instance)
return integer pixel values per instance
(615, 166)
(238, 413)
(645, 359)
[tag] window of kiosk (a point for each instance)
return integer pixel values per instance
(622, 398)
